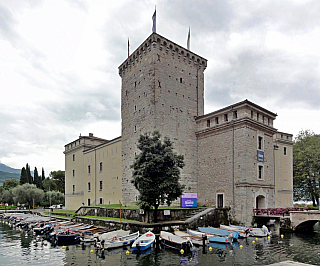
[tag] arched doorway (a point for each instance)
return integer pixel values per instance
(260, 202)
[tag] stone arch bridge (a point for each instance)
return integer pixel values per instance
(304, 220)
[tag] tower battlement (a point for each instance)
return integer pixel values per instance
(157, 42)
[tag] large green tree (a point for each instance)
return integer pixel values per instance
(25, 194)
(30, 177)
(306, 167)
(52, 198)
(5, 194)
(37, 180)
(49, 184)
(59, 178)
(23, 176)
(156, 172)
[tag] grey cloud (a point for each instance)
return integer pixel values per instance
(266, 74)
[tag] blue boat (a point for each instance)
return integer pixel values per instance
(213, 238)
(144, 242)
(218, 232)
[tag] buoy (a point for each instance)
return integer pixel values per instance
(256, 239)
(63, 247)
(91, 251)
(127, 252)
(253, 242)
(281, 236)
(20, 229)
(181, 251)
(241, 246)
(269, 237)
(210, 248)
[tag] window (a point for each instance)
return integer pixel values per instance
(251, 114)
(89, 169)
(180, 80)
(219, 200)
(269, 121)
(226, 117)
(257, 116)
(100, 185)
(217, 120)
(73, 157)
(260, 143)
(208, 123)
(73, 188)
(100, 166)
(284, 150)
(135, 128)
(235, 114)
(73, 173)
(89, 186)
(100, 201)
(89, 202)
(260, 171)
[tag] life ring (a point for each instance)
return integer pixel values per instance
(207, 234)
(148, 235)
(114, 238)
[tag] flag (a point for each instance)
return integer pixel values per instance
(154, 21)
(128, 47)
(188, 41)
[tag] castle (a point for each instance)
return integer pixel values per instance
(234, 157)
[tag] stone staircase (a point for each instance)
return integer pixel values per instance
(193, 213)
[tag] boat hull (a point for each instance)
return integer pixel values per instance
(144, 242)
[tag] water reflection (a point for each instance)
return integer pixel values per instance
(17, 248)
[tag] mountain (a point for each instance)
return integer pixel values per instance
(5, 175)
(8, 169)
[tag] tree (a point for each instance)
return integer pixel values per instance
(156, 172)
(7, 196)
(49, 184)
(30, 178)
(8, 184)
(43, 177)
(23, 176)
(59, 178)
(52, 198)
(306, 167)
(36, 178)
(26, 193)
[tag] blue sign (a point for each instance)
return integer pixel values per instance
(260, 156)
(189, 200)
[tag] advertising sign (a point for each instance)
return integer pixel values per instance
(189, 200)
(260, 156)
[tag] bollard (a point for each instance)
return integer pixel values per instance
(157, 241)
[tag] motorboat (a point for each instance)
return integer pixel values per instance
(144, 241)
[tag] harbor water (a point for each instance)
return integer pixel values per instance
(19, 248)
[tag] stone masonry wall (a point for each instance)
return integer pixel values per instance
(160, 88)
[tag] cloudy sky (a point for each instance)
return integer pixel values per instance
(59, 64)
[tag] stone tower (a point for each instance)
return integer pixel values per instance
(162, 88)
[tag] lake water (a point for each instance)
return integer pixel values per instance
(17, 248)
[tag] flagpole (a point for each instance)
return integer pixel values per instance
(154, 20)
(188, 40)
(128, 47)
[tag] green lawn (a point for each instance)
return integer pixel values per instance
(110, 218)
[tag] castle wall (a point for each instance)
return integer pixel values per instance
(163, 89)
(228, 162)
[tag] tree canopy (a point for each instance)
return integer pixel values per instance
(306, 167)
(156, 172)
(26, 193)
(59, 179)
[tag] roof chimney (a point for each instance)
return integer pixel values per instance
(90, 134)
